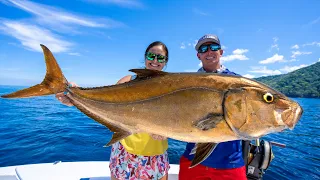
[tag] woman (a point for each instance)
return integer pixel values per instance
(141, 155)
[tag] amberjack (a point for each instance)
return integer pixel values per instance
(204, 108)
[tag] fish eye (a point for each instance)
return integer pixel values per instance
(268, 97)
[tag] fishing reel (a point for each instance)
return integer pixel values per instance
(259, 157)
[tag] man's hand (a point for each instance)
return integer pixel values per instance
(63, 98)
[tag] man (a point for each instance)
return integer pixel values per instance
(226, 161)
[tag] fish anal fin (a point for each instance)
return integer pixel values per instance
(117, 136)
(203, 151)
(147, 73)
(209, 121)
(118, 133)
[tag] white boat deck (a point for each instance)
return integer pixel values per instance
(88, 170)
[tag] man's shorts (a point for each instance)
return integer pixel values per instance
(124, 165)
(201, 172)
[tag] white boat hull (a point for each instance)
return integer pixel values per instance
(88, 170)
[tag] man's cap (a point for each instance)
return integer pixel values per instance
(207, 38)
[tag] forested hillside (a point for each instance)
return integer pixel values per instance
(304, 82)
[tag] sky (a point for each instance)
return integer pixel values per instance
(96, 42)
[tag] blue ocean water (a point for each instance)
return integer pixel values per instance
(42, 130)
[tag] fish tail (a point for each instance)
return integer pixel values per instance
(54, 81)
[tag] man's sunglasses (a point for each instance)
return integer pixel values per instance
(160, 58)
(213, 47)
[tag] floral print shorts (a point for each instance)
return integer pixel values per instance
(126, 166)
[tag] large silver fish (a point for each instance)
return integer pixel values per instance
(204, 108)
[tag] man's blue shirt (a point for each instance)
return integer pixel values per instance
(226, 155)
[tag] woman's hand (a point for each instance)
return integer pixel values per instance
(63, 98)
(158, 137)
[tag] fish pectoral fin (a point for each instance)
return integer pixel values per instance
(117, 136)
(145, 73)
(203, 151)
(208, 122)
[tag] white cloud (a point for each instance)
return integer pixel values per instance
(319, 60)
(237, 54)
(292, 60)
(249, 76)
(197, 11)
(194, 43)
(191, 44)
(54, 15)
(232, 57)
(313, 22)
(122, 3)
(74, 54)
(275, 39)
(292, 68)
(298, 53)
(264, 70)
(274, 45)
(312, 44)
(183, 46)
(32, 36)
(295, 46)
(60, 20)
(223, 47)
(273, 59)
(49, 19)
(240, 51)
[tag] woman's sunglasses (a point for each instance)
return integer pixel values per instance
(160, 58)
(213, 47)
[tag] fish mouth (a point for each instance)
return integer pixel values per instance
(297, 113)
(289, 117)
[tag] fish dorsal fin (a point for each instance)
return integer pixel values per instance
(147, 73)
(203, 151)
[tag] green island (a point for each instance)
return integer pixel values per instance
(304, 82)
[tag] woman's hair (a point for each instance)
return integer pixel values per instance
(157, 43)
